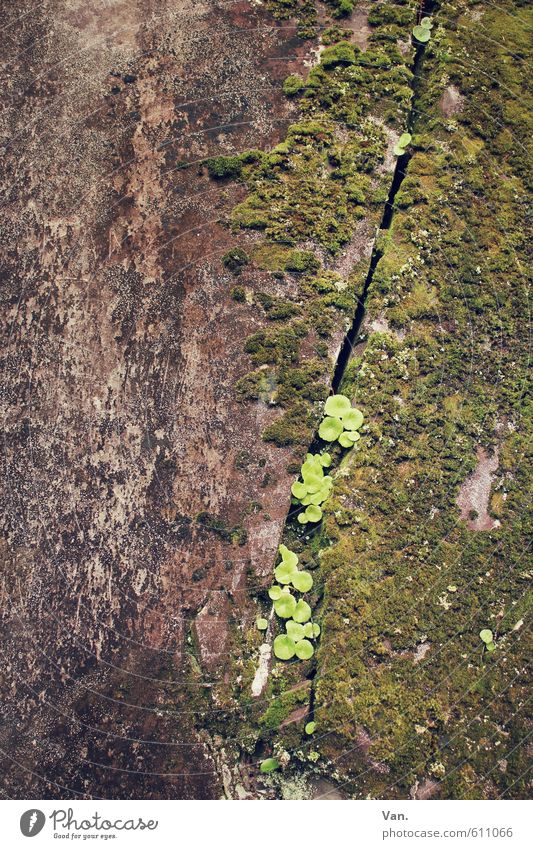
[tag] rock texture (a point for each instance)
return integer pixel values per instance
(121, 348)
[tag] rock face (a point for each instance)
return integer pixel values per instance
(122, 346)
(141, 507)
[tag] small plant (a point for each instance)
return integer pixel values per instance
(295, 630)
(297, 613)
(304, 650)
(488, 638)
(422, 32)
(284, 647)
(261, 623)
(341, 421)
(313, 513)
(310, 728)
(285, 605)
(302, 581)
(288, 566)
(403, 142)
(313, 489)
(269, 765)
(302, 612)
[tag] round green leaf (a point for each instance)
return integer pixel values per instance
(316, 630)
(318, 497)
(421, 34)
(294, 630)
(311, 468)
(285, 605)
(299, 490)
(404, 139)
(301, 612)
(313, 513)
(345, 440)
(308, 629)
(261, 624)
(302, 518)
(397, 150)
(427, 23)
(353, 419)
(325, 459)
(353, 435)
(274, 592)
(284, 647)
(486, 635)
(289, 557)
(284, 573)
(329, 429)
(304, 650)
(302, 581)
(491, 646)
(310, 728)
(337, 405)
(314, 483)
(269, 765)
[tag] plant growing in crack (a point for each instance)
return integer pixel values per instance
(314, 488)
(299, 630)
(422, 32)
(341, 422)
(403, 142)
(487, 637)
(269, 765)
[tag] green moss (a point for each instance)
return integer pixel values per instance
(406, 587)
(302, 262)
(293, 85)
(420, 585)
(295, 427)
(238, 293)
(342, 53)
(276, 346)
(278, 309)
(400, 653)
(235, 260)
(220, 167)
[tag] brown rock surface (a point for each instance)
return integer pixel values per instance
(120, 333)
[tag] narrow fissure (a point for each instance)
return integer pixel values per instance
(400, 171)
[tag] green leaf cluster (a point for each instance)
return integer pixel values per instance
(341, 422)
(402, 144)
(487, 637)
(313, 488)
(299, 630)
(422, 32)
